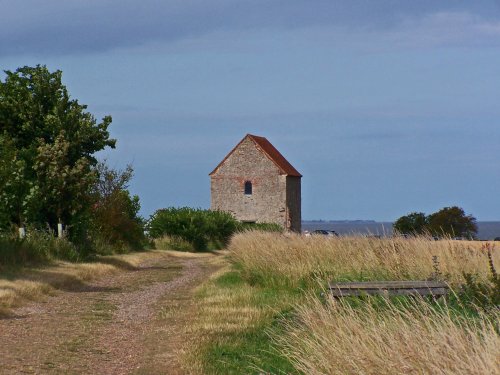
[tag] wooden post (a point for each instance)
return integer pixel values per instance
(60, 232)
(22, 232)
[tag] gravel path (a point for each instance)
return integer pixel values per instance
(133, 322)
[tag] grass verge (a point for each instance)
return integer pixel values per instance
(234, 323)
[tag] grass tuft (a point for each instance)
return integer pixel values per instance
(337, 338)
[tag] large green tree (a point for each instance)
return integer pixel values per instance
(49, 141)
(449, 221)
(18, 194)
(453, 222)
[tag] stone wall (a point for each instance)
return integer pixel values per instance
(293, 198)
(268, 200)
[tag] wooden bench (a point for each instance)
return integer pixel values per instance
(389, 288)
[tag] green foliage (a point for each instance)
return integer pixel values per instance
(63, 186)
(115, 213)
(448, 222)
(203, 229)
(18, 194)
(484, 294)
(47, 145)
(452, 221)
(49, 174)
(413, 223)
(198, 227)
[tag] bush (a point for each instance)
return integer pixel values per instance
(115, 213)
(196, 226)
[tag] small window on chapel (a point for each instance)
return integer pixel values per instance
(248, 187)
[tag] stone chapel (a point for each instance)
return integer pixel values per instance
(255, 183)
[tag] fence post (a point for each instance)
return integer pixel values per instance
(22, 232)
(60, 232)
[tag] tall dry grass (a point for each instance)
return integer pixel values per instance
(334, 338)
(293, 260)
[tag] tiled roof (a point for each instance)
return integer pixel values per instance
(271, 152)
(275, 156)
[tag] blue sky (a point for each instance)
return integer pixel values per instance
(385, 107)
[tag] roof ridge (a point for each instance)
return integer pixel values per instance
(270, 151)
(274, 155)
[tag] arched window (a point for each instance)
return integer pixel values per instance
(248, 187)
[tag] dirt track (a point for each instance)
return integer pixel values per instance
(134, 322)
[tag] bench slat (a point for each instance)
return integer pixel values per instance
(391, 292)
(392, 288)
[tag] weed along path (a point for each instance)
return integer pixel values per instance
(135, 321)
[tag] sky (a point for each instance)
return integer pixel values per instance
(385, 107)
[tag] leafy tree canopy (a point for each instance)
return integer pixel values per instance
(413, 223)
(449, 221)
(453, 222)
(36, 106)
(48, 142)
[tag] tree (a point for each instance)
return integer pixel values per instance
(115, 213)
(18, 193)
(413, 223)
(453, 222)
(449, 221)
(63, 185)
(52, 141)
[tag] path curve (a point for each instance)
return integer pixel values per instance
(133, 322)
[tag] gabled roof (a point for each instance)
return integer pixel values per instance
(270, 151)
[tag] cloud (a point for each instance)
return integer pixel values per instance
(445, 29)
(63, 27)
(68, 27)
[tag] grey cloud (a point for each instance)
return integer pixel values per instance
(447, 28)
(69, 27)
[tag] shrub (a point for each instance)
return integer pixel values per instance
(115, 213)
(198, 227)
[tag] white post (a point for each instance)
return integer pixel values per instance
(22, 232)
(60, 232)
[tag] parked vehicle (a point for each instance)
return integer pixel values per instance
(325, 232)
